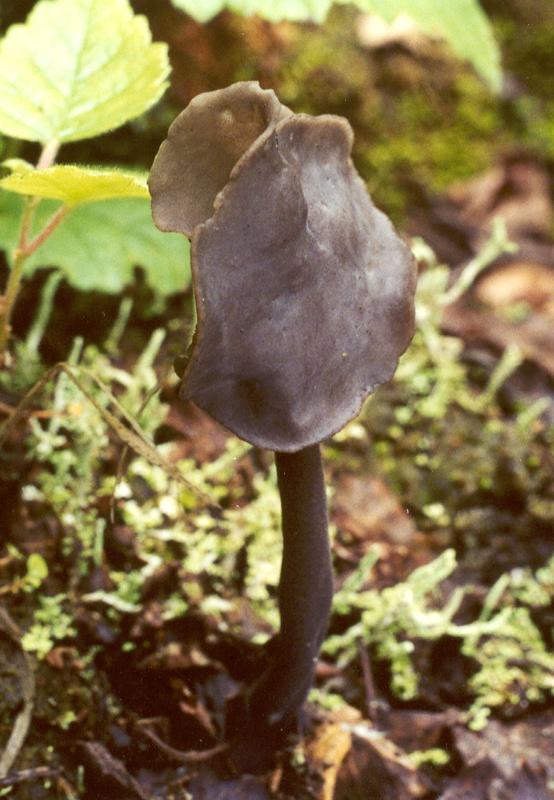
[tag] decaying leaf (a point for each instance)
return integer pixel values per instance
(375, 769)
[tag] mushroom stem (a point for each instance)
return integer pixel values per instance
(305, 590)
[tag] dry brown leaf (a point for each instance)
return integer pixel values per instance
(534, 336)
(331, 743)
(509, 746)
(375, 769)
(367, 509)
(519, 281)
(517, 189)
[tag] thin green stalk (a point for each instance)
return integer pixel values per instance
(22, 253)
(26, 248)
(34, 337)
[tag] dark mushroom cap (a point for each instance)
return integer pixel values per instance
(303, 289)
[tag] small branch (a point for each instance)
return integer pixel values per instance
(47, 231)
(372, 703)
(25, 248)
(23, 719)
(181, 756)
(26, 220)
(31, 774)
(22, 253)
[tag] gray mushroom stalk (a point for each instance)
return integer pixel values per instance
(304, 295)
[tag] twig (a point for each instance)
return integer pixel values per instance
(47, 231)
(25, 248)
(26, 775)
(372, 703)
(183, 757)
(127, 428)
(23, 719)
(37, 413)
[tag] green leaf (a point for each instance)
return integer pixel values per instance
(200, 11)
(273, 10)
(98, 245)
(78, 68)
(74, 185)
(37, 571)
(461, 23)
(295, 10)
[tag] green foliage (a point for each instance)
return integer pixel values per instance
(515, 667)
(445, 446)
(511, 656)
(211, 547)
(73, 446)
(436, 756)
(395, 100)
(433, 372)
(51, 624)
(461, 22)
(99, 244)
(37, 571)
(76, 69)
(73, 185)
(391, 619)
(229, 561)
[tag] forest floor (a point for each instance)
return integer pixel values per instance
(137, 605)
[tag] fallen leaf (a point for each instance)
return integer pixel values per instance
(517, 189)
(107, 773)
(472, 784)
(509, 745)
(367, 509)
(207, 786)
(534, 336)
(517, 282)
(328, 748)
(529, 784)
(418, 730)
(375, 769)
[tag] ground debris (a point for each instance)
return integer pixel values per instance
(517, 189)
(329, 747)
(375, 769)
(207, 786)
(483, 781)
(509, 746)
(105, 773)
(368, 509)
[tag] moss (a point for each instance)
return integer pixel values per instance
(405, 131)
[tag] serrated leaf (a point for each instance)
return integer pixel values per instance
(74, 185)
(98, 245)
(461, 23)
(78, 68)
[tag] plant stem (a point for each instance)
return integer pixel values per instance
(25, 248)
(22, 253)
(305, 593)
(47, 231)
(48, 154)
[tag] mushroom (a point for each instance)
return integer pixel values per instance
(304, 296)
